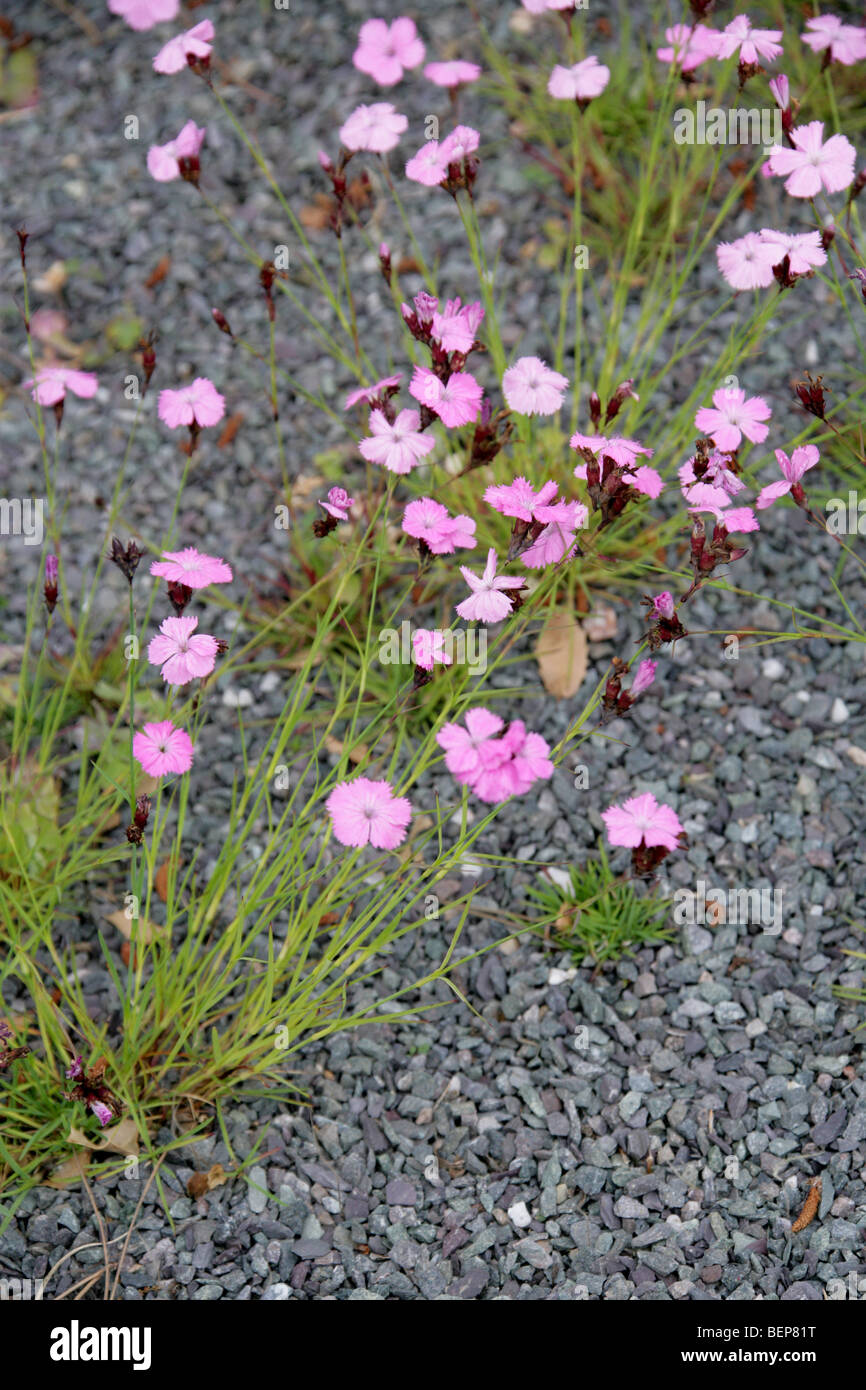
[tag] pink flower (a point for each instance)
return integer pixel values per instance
(813, 164)
(462, 746)
(191, 568)
(644, 677)
(399, 447)
(195, 43)
(562, 519)
(804, 249)
(163, 161)
(488, 601)
(717, 474)
(793, 469)
(540, 6)
(532, 388)
(372, 393)
(581, 82)
(384, 51)
(376, 128)
(161, 748)
(732, 417)
(688, 46)
(456, 403)
(143, 14)
(452, 74)
(50, 384)
(747, 263)
(781, 91)
(455, 328)
(495, 768)
(428, 166)
(846, 42)
(663, 606)
(624, 452)
(642, 820)
(182, 653)
(517, 498)
(646, 480)
(431, 645)
(430, 522)
(200, 404)
(364, 812)
(101, 1111)
(752, 44)
(338, 503)
(463, 140)
(705, 498)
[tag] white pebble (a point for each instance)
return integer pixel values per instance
(559, 977)
(237, 699)
(840, 712)
(519, 1216)
(773, 669)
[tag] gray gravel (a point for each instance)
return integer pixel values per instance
(648, 1132)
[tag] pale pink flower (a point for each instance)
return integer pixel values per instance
(732, 416)
(364, 812)
(143, 14)
(455, 328)
(557, 540)
(399, 447)
(579, 83)
(738, 519)
(705, 498)
(530, 387)
(793, 469)
(452, 74)
(642, 820)
(463, 140)
(195, 43)
(518, 499)
(846, 42)
(747, 263)
(814, 163)
(646, 480)
(462, 746)
(101, 1111)
(643, 679)
(803, 249)
(488, 601)
(430, 522)
(688, 46)
(200, 404)
(428, 166)
(161, 748)
(456, 403)
(50, 384)
(376, 128)
(163, 161)
(430, 645)
(540, 6)
(372, 393)
(624, 452)
(183, 654)
(192, 568)
(751, 44)
(338, 504)
(385, 51)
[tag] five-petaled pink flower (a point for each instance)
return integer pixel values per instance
(198, 404)
(581, 82)
(814, 163)
(429, 166)
(191, 568)
(462, 745)
(488, 601)
(456, 402)
(557, 540)
(751, 44)
(195, 43)
(338, 504)
(372, 393)
(430, 645)
(452, 74)
(518, 499)
(793, 468)
(183, 654)
(495, 768)
(731, 416)
(803, 249)
(846, 42)
(540, 6)
(376, 128)
(161, 748)
(530, 387)
(688, 45)
(429, 521)
(384, 51)
(163, 161)
(747, 263)
(399, 447)
(643, 820)
(143, 14)
(624, 452)
(455, 328)
(50, 384)
(364, 812)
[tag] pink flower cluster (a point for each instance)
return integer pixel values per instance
(493, 764)
(749, 262)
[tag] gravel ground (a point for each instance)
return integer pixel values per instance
(648, 1132)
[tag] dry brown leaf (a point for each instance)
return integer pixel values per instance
(601, 623)
(230, 429)
(561, 655)
(356, 754)
(159, 272)
(121, 1138)
(161, 877)
(145, 932)
(317, 215)
(407, 265)
(200, 1183)
(71, 1170)
(52, 280)
(810, 1207)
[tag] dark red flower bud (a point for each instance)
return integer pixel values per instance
(221, 322)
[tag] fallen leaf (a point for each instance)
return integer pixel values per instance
(810, 1207)
(52, 280)
(71, 1170)
(200, 1183)
(145, 932)
(121, 1138)
(601, 623)
(561, 655)
(317, 215)
(160, 880)
(407, 265)
(356, 754)
(230, 429)
(159, 272)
